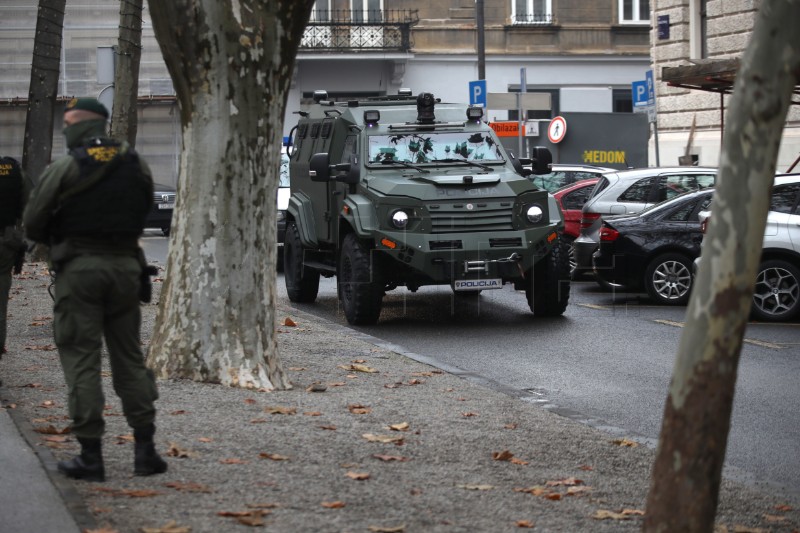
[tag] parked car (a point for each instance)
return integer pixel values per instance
(563, 175)
(627, 192)
(163, 206)
(654, 250)
(283, 205)
(777, 291)
(571, 199)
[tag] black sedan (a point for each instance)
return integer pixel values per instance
(654, 249)
(163, 205)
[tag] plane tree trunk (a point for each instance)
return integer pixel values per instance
(124, 123)
(231, 64)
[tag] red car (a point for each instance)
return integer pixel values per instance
(571, 199)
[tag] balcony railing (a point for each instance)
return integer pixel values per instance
(353, 31)
(532, 18)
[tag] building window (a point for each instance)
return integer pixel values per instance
(367, 10)
(622, 101)
(555, 104)
(321, 12)
(634, 11)
(531, 12)
(698, 29)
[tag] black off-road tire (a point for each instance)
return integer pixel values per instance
(360, 283)
(668, 279)
(302, 282)
(548, 290)
(777, 293)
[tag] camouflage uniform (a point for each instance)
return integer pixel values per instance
(92, 226)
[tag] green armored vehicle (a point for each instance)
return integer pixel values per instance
(408, 191)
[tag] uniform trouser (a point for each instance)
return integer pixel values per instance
(97, 296)
(7, 257)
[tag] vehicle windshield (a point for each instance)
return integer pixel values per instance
(427, 147)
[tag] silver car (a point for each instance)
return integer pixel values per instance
(626, 192)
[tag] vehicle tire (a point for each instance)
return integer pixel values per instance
(360, 283)
(574, 273)
(165, 231)
(302, 282)
(548, 290)
(777, 294)
(668, 279)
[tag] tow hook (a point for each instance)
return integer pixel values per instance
(483, 265)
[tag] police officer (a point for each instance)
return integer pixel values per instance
(90, 207)
(14, 190)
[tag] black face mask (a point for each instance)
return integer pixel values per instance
(76, 133)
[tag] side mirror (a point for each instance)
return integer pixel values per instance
(319, 167)
(542, 160)
(352, 171)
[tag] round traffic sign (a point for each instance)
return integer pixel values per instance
(557, 129)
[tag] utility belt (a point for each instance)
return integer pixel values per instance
(66, 250)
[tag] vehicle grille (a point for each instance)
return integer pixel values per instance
(514, 242)
(163, 197)
(446, 245)
(456, 218)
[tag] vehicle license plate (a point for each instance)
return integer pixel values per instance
(167, 206)
(478, 284)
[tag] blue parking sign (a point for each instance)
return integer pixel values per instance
(477, 93)
(639, 93)
(651, 88)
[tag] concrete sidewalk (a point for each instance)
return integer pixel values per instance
(390, 444)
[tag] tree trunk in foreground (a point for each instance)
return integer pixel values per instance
(691, 452)
(231, 64)
(45, 69)
(124, 121)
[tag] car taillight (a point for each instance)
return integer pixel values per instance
(587, 219)
(704, 225)
(608, 234)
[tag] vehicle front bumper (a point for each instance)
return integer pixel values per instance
(446, 258)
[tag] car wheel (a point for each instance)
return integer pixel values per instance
(302, 282)
(668, 279)
(360, 283)
(777, 293)
(547, 289)
(574, 273)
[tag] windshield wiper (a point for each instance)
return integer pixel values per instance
(405, 164)
(465, 161)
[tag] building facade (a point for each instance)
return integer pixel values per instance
(696, 48)
(583, 54)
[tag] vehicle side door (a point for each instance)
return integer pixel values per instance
(783, 219)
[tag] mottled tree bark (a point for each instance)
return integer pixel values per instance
(688, 467)
(45, 69)
(231, 63)
(124, 120)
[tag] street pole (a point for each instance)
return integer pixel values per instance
(523, 88)
(481, 41)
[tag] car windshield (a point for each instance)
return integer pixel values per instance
(418, 148)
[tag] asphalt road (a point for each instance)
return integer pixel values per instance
(607, 362)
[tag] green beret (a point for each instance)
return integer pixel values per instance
(88, 104)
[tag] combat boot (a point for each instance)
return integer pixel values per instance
(88, 465)
(146, 460)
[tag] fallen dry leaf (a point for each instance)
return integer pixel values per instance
(104, 529)
(475, 487)
(176, 451)
(317, 387)
(297, 368)
(205, 439)
(357, 367)
(312, 413)
(329, 427)
(169, 527)
(273, 456)
(524, 524)
(233, 461)
(333, 505)
(422, 374)
(250, 401)
(258, 421)
(381, 529)
(262, 505)
(40, 347)
(388, 458)
(358, 409)
(337, 384)
(178, 412)
(513, 425)
(625, 442)
(783, 508)
(586, 468)
(188, 487)
(625, 514)
(281, 410)
(124, 439)
(52, 430)
(358, 476)
(516, 461)
(575, 491)
(415, 382)
(56, 438)
(138, 493)
(288, 322)
(535, 490)
(469, 415)
(505, 455)
(569, 482)
(385, 439)
(47, 404)
(403, 426)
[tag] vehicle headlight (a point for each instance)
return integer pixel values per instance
(400, 219)
(281, 215)
(534, 214)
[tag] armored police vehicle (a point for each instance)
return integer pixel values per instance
(408, 191)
